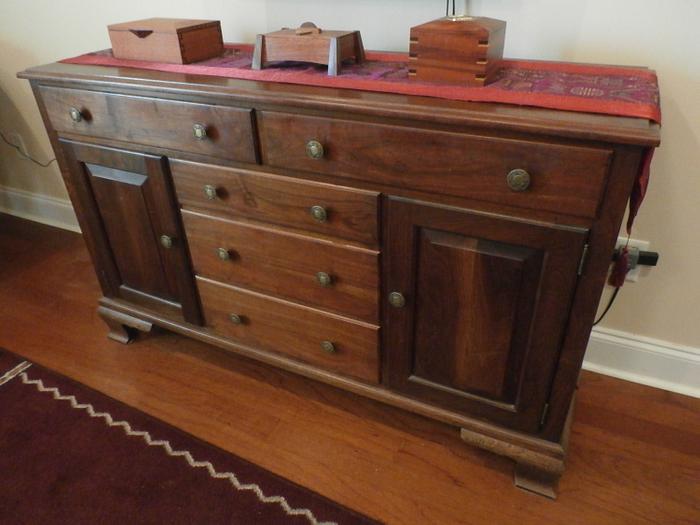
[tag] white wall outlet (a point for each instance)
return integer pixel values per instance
(15, 138)
(633, 275)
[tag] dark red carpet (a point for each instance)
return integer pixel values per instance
(69, 454)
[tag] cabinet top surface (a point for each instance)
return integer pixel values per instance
(587, 126)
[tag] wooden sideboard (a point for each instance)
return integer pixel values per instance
(443, 257)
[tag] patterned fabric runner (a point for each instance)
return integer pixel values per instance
(629, 92)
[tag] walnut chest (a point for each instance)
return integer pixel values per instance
(443, 257)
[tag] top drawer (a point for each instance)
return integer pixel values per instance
(227, 131)
(563, 178)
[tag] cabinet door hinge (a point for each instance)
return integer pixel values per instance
(582, 262)
(545, 413)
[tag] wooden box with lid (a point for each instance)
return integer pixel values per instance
(460, 50)
(169, 40)
(442, 257)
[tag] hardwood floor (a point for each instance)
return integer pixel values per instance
(634, 454)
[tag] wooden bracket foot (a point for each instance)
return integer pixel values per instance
(536, 480)
(122, 327)
(538, 463)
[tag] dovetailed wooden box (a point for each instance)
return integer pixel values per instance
(171, 40)
(460, 50)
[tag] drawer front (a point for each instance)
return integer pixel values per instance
(154, 122)
(286, 265)
(564, 179)
(298, 332)
(349, 213)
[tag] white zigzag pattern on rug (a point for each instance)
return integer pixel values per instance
(176, 453)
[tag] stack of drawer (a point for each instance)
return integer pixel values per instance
(285, 265)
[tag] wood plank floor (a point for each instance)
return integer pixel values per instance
(634, 456)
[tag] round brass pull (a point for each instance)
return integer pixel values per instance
(210, 192)
(166, 242)
(319, 213)
(314, 149)
(223, 254)
(397, 300)
(75, 114)
(199, 132)
(235, 319)
(518, 180)
(329, 347)
(324, 279)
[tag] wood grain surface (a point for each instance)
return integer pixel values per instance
(286, 265)
(351, 213)
(286, 328)
(567, 179)
(153, 122)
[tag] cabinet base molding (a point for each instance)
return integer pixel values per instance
(536, 480)
(122, 327)
(539, 463)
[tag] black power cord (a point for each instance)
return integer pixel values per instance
(607, 308)
(24, 155)
(637, 258)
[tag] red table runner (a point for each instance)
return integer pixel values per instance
(622, 91)
(609, 90)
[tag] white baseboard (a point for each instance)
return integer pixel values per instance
(644, 360)
(618, 354)
(39, 208)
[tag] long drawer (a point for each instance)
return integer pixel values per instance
(561, 178)
(316, 272)
(344, 212)
(218, 131)
(322, 340)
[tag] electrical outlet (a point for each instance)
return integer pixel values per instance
(633, 274)
(18, 141)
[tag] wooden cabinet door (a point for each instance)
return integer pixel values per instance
(128, 214)
(487, 298)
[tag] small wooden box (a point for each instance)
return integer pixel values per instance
(459, 50)
(171, 40)
(329, 48)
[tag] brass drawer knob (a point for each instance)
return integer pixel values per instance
(328, 347)
(199, 132)
(314, 150)
(223, 254)
(75, 114)
(397, 300)
(210, 192)
(235, 319)
(319, 213)
(518, 180)
(166, 241)
(324, 279)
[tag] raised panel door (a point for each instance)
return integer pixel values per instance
(485, 301)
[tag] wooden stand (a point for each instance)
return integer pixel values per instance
(329, 48)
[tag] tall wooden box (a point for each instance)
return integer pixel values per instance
(171, 40)
(459, 50)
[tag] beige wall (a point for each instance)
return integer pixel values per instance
(664, 304)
